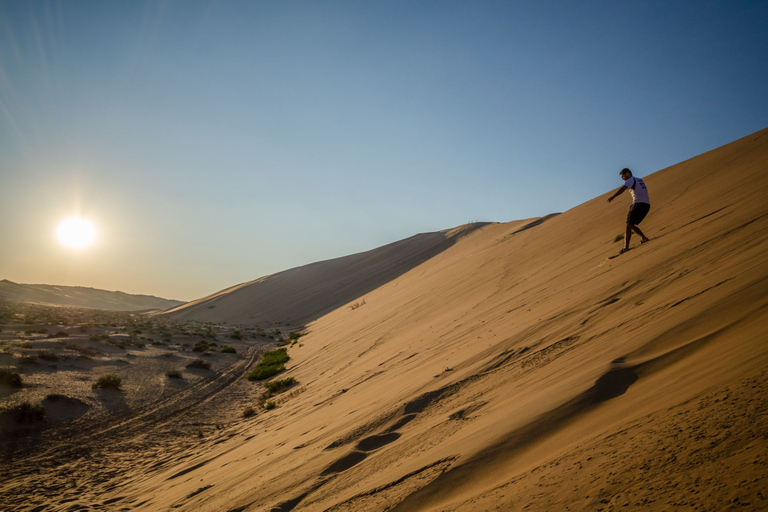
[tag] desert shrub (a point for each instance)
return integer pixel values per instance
(10, 378)
(201, 346)
(248, 411)
(60, 334)
(236, 335)
(121, 343)
(228, 350)
(200, 364)
(278, 386)
(83, 351)
(28, 359)
(269, 405)
(108, 381)
(271, 364)
(295, 335)
(26, 412)
(94, 337)
(618, 238)
(174, 374)
(47, 356)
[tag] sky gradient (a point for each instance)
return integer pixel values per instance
(214, 142)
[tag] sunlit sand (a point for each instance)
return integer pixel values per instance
(502, 366)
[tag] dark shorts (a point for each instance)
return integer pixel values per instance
(637, 213)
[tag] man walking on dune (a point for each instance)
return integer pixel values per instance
(641, 204)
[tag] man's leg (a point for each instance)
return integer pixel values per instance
(637, 230)
(628, 235)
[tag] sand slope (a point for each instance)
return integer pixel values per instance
(521, 369)
(303, 294)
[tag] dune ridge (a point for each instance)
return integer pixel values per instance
(81, 296)
(517, 368)
(303, 294)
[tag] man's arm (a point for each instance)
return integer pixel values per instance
(618, 193)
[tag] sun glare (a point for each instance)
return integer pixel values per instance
(76, 233)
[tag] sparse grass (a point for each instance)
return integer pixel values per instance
(278, 386)
(248, 412)
(618, 238)
(108, 381)
(271, 364)
(236, 335)
(10, 378)
(26, 412)
(199, 364)
(228, 350)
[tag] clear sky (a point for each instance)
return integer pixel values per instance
(214, 142)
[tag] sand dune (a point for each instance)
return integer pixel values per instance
(303, 294)
(81, 297)
(510, 369)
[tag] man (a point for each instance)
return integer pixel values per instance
(641, 204)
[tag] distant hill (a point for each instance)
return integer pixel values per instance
(82, 297)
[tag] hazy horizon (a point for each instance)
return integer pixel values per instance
(214, 143)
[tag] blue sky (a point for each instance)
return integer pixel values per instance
(214, 142)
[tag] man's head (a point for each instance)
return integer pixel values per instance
(625, 174)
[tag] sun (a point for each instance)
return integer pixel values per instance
(76, 233)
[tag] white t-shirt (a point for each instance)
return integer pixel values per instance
(637, 189)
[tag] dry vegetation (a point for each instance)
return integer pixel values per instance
(68, 369)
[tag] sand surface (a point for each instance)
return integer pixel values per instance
(509, 367)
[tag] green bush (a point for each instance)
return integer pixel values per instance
(201, 346)
(108, 381)
(10, 378)
(271, 364)
(269, 405)
(278, 386)
(229, 350)
(236, 335)
(618, 238)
